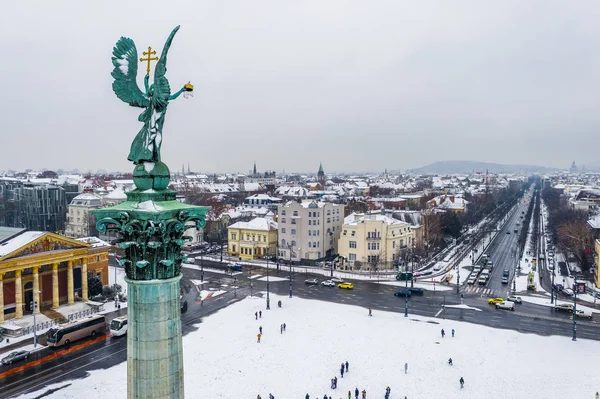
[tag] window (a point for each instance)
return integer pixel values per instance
(283, 243)
(293, 243)
(353, 232)
(328, 212)
(295, 213)
(351, 244)
(294, 231)
(351, 257)
(310, 232)
(345, 231)
(283, 212)
(317, 244)
(393, 244)
(293, 221)
(282, 220)
(310, 222)
(283, 230)
(328, 220)
(318, 222)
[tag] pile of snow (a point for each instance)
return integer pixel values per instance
(223, 360)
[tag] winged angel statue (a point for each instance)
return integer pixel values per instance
(145, 148)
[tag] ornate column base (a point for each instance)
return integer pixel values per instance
(154, 345)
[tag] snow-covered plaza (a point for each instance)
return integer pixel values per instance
(223, 359)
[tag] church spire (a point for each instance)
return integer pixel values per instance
(254, 173)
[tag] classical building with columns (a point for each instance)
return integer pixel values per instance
(45, 267)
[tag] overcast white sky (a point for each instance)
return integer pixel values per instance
(359, 85)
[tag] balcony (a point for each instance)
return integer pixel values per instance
(373, 238)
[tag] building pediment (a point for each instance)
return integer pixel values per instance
(33, 243)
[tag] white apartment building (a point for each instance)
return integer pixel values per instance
(374, 240)
(310, 230)
(80, 222)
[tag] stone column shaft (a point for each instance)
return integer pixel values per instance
(154, 345)
(84, 280)
(1, 299)
(36, 289)
(18, 295)
(55, 298)
(70, 287)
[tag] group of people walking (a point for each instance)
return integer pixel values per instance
(258, 315)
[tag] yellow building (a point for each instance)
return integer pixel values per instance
(47, 268)
(597, 262)
(374, 241)
(253, 239)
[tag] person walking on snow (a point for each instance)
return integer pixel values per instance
(260, 329)
(364, 394)
(260, 314)
(347, 365)
(307, 396)
(370, 312)
(258, 337)
(443, 333)
(453, 333)
(256, 315)
(349, 394)
(334, 382)
(450, 361)
(356, 393)
(271, 396)
(342, 371)
(462, 382)
(281, 328)
(405, 368)
(284, 326)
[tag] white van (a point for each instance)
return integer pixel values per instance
(118, 326)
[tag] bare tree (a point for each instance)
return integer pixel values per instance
(432, 229)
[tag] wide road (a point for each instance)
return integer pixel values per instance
(503, 252)
(43, 370)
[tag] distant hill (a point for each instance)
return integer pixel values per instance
(465, 167)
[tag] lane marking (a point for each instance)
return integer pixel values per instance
(438, 313)
(54, 356)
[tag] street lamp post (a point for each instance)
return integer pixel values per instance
(290, 248)
(406, 305)
(412, 268)
(35, 338)
(575, 312)
(553, 293)
(268, 300)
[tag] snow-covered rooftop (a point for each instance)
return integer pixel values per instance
(256, 224)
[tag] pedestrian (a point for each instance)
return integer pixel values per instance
(453, 333)
(462, 382)
(364, 394)
(325, 396)
(260, 329)
(450, 361)
(260, 314)
(356, 393)
(334, 382)
(271, 396)
(342, 371)
(258, 337)
(347, 365)
(307, 397)
(349, 394)
(258, 397)
(281, 328)
(284, 326)
(443, 333)
(370, 312)
(256, 315)
(405, 368)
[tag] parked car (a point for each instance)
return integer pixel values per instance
(504, 280)
(564, 307)
(508, 305)
(515, 299)
(494, 301)
(567, 292)
(346, 285)
(311, 281)
(337, 280)
(405, 293)
(583, 313)
(416, 291)
(328, 283)
(15, 357)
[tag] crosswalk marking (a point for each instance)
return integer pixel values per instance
(480, 290)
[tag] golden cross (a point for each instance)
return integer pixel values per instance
(148, 53)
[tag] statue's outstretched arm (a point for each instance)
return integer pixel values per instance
(146, 85)
(175, 95)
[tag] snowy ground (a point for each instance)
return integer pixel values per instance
(223, 360)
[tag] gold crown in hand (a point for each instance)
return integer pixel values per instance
(188, 86)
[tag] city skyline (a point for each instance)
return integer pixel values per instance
(359, 87)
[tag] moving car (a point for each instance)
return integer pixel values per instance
(515, 299)
(311, 281)
(405, 293)
(494, 301)
(472, 279)
(504, 280)
(337, 280)
(328, 283)
(15, 357)
(416, 291)
(346, 285)
(235, 267)
(583, 313)
(508, 305)
(565, 307)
